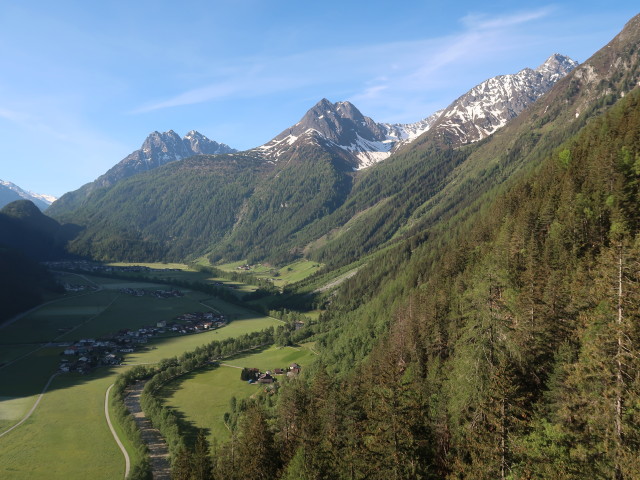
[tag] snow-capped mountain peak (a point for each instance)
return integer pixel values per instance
(491, 104)
(10, 192)
(472, 117)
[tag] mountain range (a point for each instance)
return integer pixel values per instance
(300, 187)
(10, 192)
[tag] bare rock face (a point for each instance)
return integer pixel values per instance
(158, 149)
(490, 105)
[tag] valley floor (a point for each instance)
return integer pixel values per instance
(66, 436)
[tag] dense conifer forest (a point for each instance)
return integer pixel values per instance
(512, 354)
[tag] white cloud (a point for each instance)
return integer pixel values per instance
(485, 22)
(378, 69)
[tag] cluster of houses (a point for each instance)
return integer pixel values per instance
(140, 292)
(255, 376)
(70, 287)
(85, 355)
(198, 322)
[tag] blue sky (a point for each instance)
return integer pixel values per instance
(83, 83)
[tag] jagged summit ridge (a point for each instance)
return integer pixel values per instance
(472, 117)
(160, 148)
(491, 104)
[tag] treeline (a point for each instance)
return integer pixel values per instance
(186, 454)
(140, 468)
(22, 283)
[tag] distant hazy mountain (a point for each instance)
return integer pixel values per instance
(10, 192)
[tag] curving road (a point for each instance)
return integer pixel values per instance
(127, 461)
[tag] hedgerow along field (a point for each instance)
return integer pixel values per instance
(68, 430)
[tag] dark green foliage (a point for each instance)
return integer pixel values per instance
(309, 186)
(172, 212)
(22, 283)
(509, 350)
(24, 227)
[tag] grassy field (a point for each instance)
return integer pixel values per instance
(67, 437)
(203, 396)
(176, 271)
(294, 272)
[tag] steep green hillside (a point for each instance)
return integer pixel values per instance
(311, 185)
(24, 227)
(176, 211)
(22, 283)
(512, 351)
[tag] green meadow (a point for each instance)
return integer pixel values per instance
(67, 435)
(294, 272)
(203, 397)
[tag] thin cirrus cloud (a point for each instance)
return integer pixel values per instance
(373, 70)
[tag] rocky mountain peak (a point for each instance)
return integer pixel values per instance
(472, 117)
(159, 149)
(556, 67)
(491, 104)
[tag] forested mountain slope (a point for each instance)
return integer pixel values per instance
(508, 347)
(303, 201)
(515, 352)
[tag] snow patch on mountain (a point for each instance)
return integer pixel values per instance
(477, 114)
(40, 199)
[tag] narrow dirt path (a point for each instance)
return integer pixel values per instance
(127, 461)
(33, 409)
(158, 448)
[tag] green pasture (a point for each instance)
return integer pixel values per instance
(203, 396)
(166, 273)
(291, 273)
(9, 353)
(52, 320)
(173, 346)
(73, 279)
(12, 409)
(67, 437)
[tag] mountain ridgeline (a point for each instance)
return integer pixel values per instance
(306, 192)
(10, 192)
